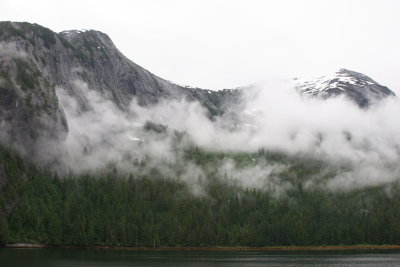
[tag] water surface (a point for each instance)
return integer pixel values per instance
(81, 257)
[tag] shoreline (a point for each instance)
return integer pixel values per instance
(271, 248)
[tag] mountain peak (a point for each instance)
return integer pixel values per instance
(85, 36)
(355, 86)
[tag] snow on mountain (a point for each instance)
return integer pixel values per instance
(355, 86)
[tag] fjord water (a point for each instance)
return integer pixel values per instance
(80, 258)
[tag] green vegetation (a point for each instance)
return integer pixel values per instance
(31, 81)
(8, 29)
(29, 32)
(5, 81)
(27, 74)
(155, 127)
(150, 210)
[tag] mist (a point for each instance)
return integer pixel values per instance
(361, 145)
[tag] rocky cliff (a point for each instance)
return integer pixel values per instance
(34, 61)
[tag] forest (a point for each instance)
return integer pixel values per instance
(121, 209)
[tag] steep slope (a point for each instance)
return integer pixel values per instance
(34, 61)
(108, 70)
(29, 108)
(355, 86)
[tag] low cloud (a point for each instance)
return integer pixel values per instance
(362, 145)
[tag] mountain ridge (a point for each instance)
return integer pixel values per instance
(35, 61)
(164, 173)
(356, 86)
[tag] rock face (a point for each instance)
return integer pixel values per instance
(34, 61)
(29, 108)
(355, 86)
(106, 69)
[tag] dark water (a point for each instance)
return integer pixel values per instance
(78, 258)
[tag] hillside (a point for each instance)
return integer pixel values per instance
(96, 150)
(34, 62)
(153, 210)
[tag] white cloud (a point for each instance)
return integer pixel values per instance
(363, 146)
(225, 44)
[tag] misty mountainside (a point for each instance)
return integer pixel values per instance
(357, 87)
(72, 98)
(115, 209)
(34, 61)
(109, 154)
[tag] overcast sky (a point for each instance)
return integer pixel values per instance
(226, 44)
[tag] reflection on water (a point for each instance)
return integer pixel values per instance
(78, 258)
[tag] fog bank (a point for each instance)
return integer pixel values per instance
(363, 144)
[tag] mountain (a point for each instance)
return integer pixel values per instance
(355, 86)
(267, 171)
(34, 61)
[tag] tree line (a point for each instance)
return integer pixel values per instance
(111, 208)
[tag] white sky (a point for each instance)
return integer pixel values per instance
(225, 44)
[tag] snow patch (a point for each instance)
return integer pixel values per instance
(338, 80)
